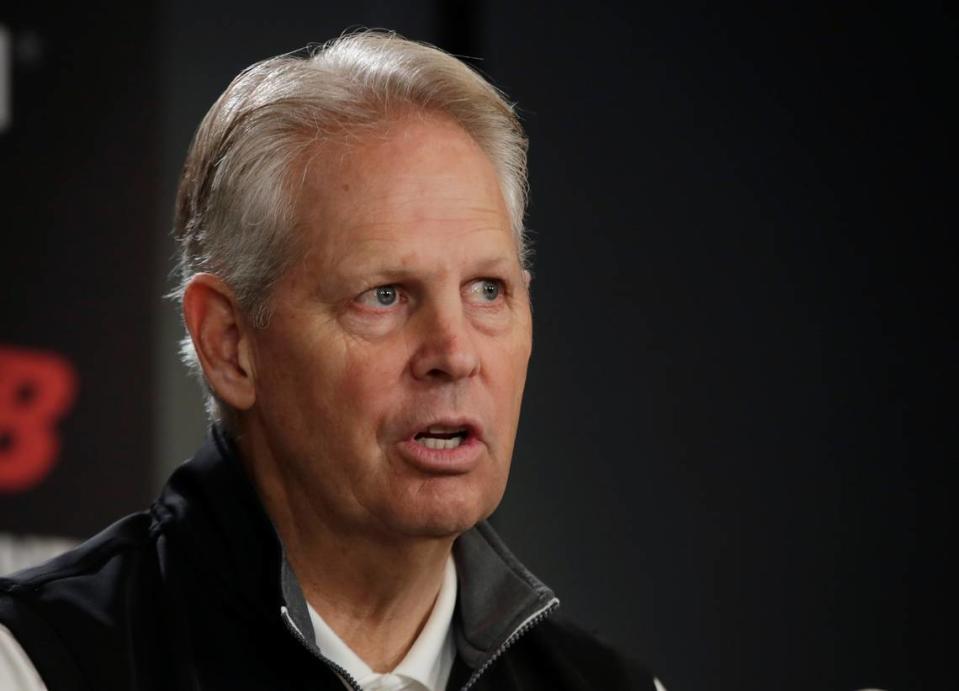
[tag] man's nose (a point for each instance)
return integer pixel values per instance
(446, 350)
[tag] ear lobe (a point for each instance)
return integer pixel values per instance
(220, 337)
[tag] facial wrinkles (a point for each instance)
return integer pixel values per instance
(428, 276)
(444, 275)
(432, 398)
(362, 210)
(437, 231)
(443, 232)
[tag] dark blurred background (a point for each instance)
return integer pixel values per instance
(733, 460)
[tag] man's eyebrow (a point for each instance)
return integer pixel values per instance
(375, 269)
(498, 263)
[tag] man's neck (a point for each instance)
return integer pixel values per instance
(376, 592)
(376, 601)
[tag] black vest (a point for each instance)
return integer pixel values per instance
(195, 594)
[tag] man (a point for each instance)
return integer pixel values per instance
(355, 291)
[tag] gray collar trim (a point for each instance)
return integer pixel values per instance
(497, 594)
(295, 601)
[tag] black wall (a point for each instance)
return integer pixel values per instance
(733, 459)
(737, 404)
(78, 177)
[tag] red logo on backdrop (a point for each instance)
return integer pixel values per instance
(37, 388)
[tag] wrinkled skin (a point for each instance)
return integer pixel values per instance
(408, 304)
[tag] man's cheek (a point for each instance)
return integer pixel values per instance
(375, 365)
(367, 379)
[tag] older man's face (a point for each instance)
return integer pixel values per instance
(388, 383)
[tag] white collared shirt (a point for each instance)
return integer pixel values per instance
(426, 666)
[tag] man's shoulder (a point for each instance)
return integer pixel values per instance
(85, 584)
(130, 538)
(576, 658)
(83, 595)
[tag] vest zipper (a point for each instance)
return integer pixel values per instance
(531, 621)
(346, 676)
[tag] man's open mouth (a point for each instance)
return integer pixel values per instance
(439, 437)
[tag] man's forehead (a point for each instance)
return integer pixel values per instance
(434, 189)
(408, 249)
(398, 164)
(477, 249)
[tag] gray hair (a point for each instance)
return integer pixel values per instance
(235, 208)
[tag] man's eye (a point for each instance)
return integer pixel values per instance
(381, 296)
(487, 289)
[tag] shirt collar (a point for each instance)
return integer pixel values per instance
(429, 660)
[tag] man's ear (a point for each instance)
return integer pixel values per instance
(221, 338)
(527, 278)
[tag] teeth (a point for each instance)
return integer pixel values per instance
(434, 443)
(440, 429)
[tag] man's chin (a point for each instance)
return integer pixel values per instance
(437, 521)
(443, 508)
(435, 526)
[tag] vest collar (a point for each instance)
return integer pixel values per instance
(212, 507)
